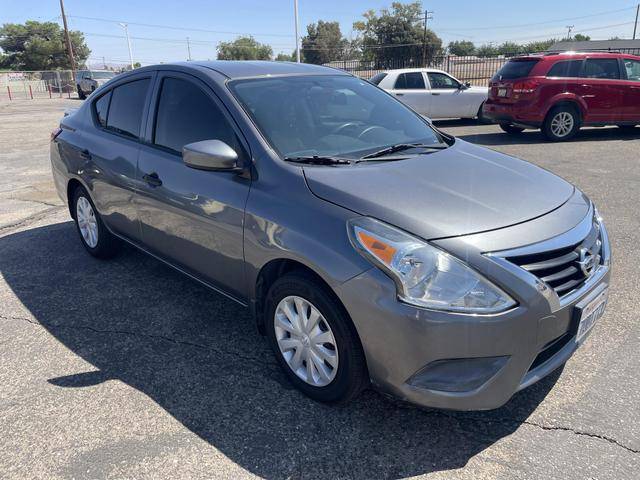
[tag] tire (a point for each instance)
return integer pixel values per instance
(349, 377)
(102, 243)
(480, 116)
(81, 94)
(511, 129)
(561, 123)
(628, 128)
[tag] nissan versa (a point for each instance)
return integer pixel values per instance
(370, 247)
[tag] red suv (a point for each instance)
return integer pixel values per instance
(561, 92)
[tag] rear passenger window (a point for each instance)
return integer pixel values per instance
(565, 69)
(633, 69)
(409, 81)
(102, 108)
(186, 114)
(125, 109)
(601, 68)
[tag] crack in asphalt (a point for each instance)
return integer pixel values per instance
(30, 219)
(261, 362)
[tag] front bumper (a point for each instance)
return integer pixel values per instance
(486, 358)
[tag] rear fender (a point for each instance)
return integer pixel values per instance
(567, 97)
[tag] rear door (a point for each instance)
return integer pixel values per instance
(447, 97)
(111, 151)
(411, 89)
(631, 108)
(193, 218)
(602, 89)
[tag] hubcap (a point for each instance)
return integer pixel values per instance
(87, 222)
(562, 124)
(306, 341)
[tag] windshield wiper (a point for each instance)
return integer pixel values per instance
(403, 146)
(319, 160)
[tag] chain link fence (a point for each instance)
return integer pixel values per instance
(37, 84)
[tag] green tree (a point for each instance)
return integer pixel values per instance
(486, 50)
(578, 37)
(244, 48)
(397, 34)
(39, 46)
(323, 43)
(540, 46)
(509, 48)
(461, 48)
(285, 57)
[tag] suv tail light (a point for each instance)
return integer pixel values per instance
(525, 87)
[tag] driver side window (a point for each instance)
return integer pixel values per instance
(442, 81)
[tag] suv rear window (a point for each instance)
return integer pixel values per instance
(566, 68)
(516, 69)
(377, 78)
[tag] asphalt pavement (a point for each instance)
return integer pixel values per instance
(126, 369)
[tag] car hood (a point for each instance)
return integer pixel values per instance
(461, 190)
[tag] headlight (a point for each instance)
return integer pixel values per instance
(425, 275)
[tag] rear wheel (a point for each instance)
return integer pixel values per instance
(81, 93)
(512, 129)
(95, 237)
(561, 123)
(628, 128)
(314, 340)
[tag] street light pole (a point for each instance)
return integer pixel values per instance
(295, 13)
(126, 31)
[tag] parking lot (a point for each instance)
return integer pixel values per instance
(126, 369)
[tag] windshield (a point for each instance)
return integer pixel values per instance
(515, 69)
(100, 75)
(329, 115)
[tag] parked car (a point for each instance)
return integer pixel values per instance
(370, 247)
(433, 93)
(89, 80)
(559, 93)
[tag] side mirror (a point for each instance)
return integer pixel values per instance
(465, 85)
(210, 155)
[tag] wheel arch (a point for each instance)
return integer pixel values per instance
(72, 185)
(570, 100)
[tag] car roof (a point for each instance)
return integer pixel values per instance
(569, 55)
(260, 68)
(408, 70)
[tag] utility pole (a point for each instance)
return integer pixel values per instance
(126, 31)
(189, 49)
(67, 39)
(427, 16)
(635, 25)
(569, 28)
(295, 13)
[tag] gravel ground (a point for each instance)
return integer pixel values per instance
(125, 369)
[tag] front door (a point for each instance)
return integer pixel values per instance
(447, 97)
(410, 89)
(631, 108)
(192, 218)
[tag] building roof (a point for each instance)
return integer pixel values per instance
(623, 45)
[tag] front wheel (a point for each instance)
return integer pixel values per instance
(511, 129)
(95, 237)
(81, 94)
(314, 340)
(561, 123)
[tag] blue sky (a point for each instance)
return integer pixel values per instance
(208, 22)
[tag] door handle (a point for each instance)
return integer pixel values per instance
(152, 179)
(85, 155)
(434, 93)
(399, 94)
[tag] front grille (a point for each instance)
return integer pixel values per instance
(562, 269)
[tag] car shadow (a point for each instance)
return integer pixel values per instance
(198, 356)
(529, 137)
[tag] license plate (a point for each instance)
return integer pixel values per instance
(592, 312)
(502, 92)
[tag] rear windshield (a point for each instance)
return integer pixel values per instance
(515, 69)
(377, 78)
